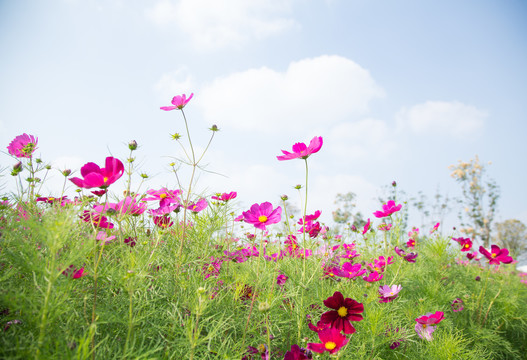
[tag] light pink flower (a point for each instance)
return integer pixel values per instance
(178, 102)
(23, 146)
(198, 206)
(225, 196)
(301, 151)
(388, 294)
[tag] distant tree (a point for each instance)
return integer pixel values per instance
(512, 234)
(480, 197)
(345, 213)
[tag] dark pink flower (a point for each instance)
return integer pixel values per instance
(366, 227)
(178, 102)
(349, 270)
(128, 206)
(424, 326)
(466, 243)
(472, 255)
(130, 241)
(74, 273)
(225, 196)
(94, 176)
(281, 279)
(297, 353)
(96, 219)
(212, 268)
(198, 206)
(434, 229)
(388, 209)
(345, 311)
(301, 151)
(163, 221)
(23, 146)
(261, 215)
(373, 277)
(165, 196)
(410, 257)
(331, 341)
(319, 326)
(313, 217)
(497, 255)
(410, 243)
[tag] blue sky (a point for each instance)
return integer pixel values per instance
(399, 90)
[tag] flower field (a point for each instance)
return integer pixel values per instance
(166, 273)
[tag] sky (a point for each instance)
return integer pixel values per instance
(398, 89)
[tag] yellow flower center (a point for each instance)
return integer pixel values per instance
(342, 311)
(262, 218)
(330, 345)
(210, 268)
(467, 246)
(424, 326)
(494, 255)
(162, 196)
(105, 179)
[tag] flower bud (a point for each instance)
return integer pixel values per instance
(284, 197)
(132, 145)
(298, 187)
(394, 184)
(17, 166)
(214, 128)
(66, 172)
(263, 306)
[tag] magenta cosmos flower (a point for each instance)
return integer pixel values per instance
(345, 311)
(496, 255)
(388, 209)
(331, 341)
(466, 243)
(94, 176)
(301, 151)
(262, 215)
(225, 196)
(23, 146)
(424, 326)
(178, 102)
(297, 353)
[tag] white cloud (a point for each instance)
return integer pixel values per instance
(318, 91)
(361, 139)
(212, 24)
(453, 119)
(175, 83)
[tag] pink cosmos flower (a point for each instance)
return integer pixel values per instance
(331, 341)
(380, 263)
(73, 272)
(424, 327)
(434, 229)
(313, 229)
(294, 250)
(23, 146)
(96, 219)
(94, 176)
(457, 305)
(410, 257)
(366, 227)
(466, 243)
(261, 215)
(349, 270)
(163, 221)
(472, 255)
(497, 255)
(344, 311)
(373, 277)
(388, 209)
(297, 353)
(319, 326)
(178, 102)
(165, 196)
(301, 151)
(104, 238)
(388, 294)
(198, 206)
(225, 196)
(313, 217)
(128, 205)
(212, 268)
(410, 243)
